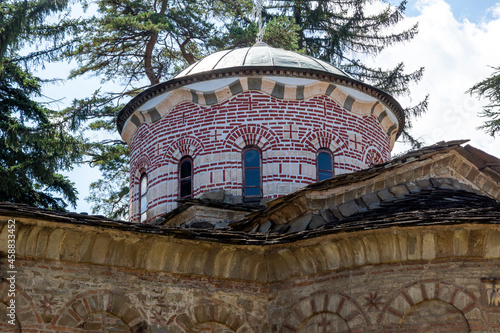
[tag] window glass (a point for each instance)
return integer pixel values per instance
(186, 168)
(143, 204)
(252, 158)
(324, 165)
(252, 174)
(252, 177)
(186, 178)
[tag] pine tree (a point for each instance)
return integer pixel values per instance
(489, 88)
(33, 146)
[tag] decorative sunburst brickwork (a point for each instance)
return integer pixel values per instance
(24, 307)
(289, 133)
(97, 311)
(214, 318)
(325, 312)
(431, 306)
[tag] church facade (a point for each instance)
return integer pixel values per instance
(264, 199)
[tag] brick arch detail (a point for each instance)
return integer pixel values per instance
(324, 302)
(372, 156)
(418, 291)
(250, 135)
(74, 313)
(187, 145)
(213, 313)
(324, 139)
(24, 304)
(143, 164)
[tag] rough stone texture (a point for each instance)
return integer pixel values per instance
(382, 280)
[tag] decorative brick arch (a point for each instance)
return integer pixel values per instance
(326, 311)
(372, 156)
(187, 145)
(416, 292)
(431, 316)
(213, 316)
(97, 310)
(25, 308)
(323, 139)
(143, 164)
(250, 135)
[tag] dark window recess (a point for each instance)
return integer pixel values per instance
(143, 193)
(252, 178)
(324, 164)
(186, 178)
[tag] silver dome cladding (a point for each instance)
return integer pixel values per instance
(259, 55)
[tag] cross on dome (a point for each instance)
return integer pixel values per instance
(257, 11)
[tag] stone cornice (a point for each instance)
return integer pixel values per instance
(259, 263)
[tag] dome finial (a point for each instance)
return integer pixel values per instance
(257, 11)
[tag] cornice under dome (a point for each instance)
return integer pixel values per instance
(260, 60)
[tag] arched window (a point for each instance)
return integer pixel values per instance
(186, 177)
(143, 194)
(252, 175)
(324, 164)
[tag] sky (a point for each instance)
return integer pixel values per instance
(458, 41)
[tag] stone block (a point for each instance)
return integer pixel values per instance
(424, 184)
(264, 227)
(362, 206)
(399, 190)
(336, 213)
(316, 221)
(327, 215)
(428, 246)
(349, 208)
(201, 225)
(300, 223)
(371, 200)
(412, 187)
(385, 195)
(80, 309)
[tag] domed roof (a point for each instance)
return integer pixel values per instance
(259, 60)
(259, 55)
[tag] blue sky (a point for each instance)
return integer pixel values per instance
(457, 42)
(472, 10)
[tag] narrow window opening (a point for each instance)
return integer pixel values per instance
(324, 164)
(252, 175)
(186, 178)
(143, 194)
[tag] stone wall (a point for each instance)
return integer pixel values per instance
(417, 296)
(75, 278)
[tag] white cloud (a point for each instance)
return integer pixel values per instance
(495, 10)
(456, 55)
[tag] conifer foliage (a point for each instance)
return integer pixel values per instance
(33, 146)
(489, 88)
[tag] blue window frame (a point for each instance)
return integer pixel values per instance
(143, 194)
(252, 174)
(186, 178)
(324, 164)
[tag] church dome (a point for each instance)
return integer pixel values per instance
(248, 125)
(260, 56)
